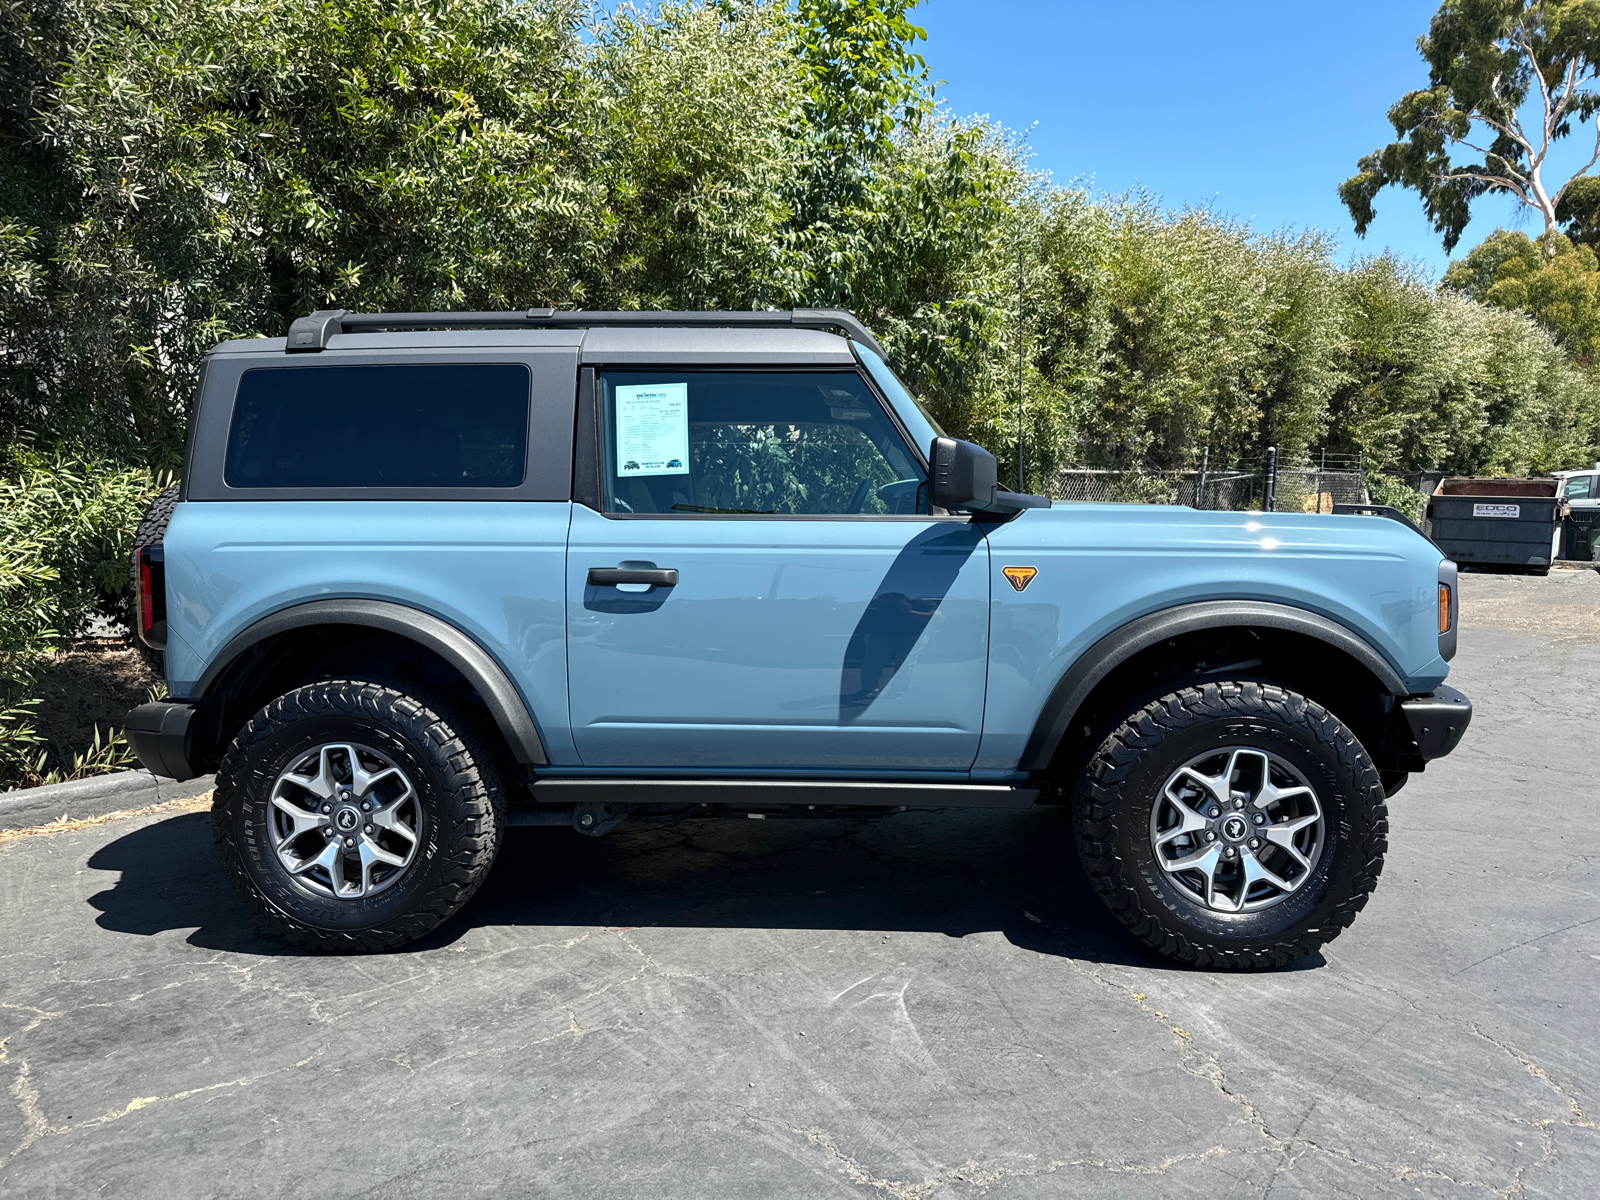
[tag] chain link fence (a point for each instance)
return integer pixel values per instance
(1263, 488)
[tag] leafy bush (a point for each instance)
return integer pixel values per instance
(66, 528)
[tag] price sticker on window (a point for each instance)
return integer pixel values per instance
(652, 429)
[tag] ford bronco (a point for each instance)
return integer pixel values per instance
(431, 574)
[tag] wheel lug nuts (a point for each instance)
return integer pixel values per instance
(1228, 853)
(1254, 842)
(366, 829)
(366, 806)
(1260, 820)
(1238, 803)
(1210, 836)
(349, 841)
(327, 808)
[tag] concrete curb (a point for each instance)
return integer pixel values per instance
(94, 797)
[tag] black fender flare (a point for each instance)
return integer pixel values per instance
(1122, 643)
(475, 663)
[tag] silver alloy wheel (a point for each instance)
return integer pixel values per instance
(345, 821)
(1238, 828)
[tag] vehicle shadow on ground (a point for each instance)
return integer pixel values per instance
(953, 872)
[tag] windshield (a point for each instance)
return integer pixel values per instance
(918, 420)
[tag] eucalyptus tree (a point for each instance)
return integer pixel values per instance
(1507, 80)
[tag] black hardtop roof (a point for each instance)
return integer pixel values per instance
(312, 333)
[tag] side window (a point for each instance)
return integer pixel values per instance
(1580, 487)
(392, 425)
(749, 442)
(912, 411)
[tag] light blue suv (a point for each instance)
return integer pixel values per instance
(431, 574)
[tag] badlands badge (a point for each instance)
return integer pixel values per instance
(1020, 577)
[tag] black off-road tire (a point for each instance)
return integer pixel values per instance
(152, 529)
(458, 783)
(1115, 797)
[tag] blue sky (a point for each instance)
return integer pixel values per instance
(1259, 110)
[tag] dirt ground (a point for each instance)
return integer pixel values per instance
(93, 683)
(1559, 609)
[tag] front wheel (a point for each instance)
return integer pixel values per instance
(353, 817)
(1232, 824)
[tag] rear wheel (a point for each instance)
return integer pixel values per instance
(1233, 824)
(354, 817)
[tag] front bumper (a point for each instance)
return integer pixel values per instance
(1437, 720)
(160, 735)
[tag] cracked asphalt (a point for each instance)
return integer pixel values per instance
(931, 1005)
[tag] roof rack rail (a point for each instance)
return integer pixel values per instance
(312, 333)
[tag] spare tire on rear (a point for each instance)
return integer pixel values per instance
(152, 529)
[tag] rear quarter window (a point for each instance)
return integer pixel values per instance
(402, 425)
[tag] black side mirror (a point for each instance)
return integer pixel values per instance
(962, 478)
(961, 475)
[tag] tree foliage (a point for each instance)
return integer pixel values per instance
(1556, 284)
(1490, 62)
(1434, 379)
(173, 174)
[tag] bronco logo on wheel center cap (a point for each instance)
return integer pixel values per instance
(347, 819)
(1234, 828)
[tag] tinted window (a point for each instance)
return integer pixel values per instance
(904, 402)
(1580, 487)
(401, 425)
(809, 442)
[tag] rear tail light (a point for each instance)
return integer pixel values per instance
(151, 602)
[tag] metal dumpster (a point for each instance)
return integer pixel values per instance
(1498, 524)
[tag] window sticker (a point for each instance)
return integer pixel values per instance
(652, 429)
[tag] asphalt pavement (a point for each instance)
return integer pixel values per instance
(929, 1005)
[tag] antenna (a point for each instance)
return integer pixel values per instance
(1022, 288)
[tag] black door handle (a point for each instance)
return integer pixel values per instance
(655, 577)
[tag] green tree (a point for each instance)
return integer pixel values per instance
(226, 167)
(1434, 379)
(1488, 61)
(862, 87)
(1556, 286)
(1579, 209)
(1164, 334)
